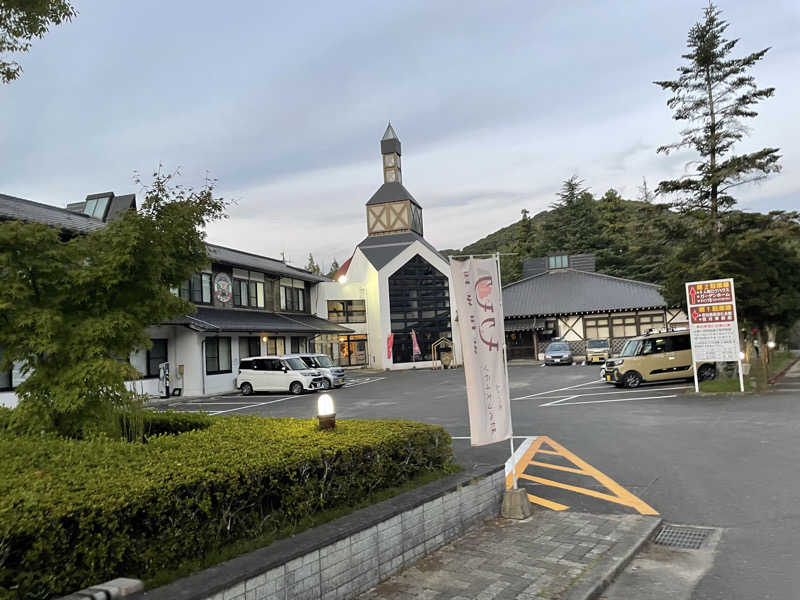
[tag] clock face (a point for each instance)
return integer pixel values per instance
(388, 160)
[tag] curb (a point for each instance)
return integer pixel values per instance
(609, 566)
(775, 378)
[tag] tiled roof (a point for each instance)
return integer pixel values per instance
(35, 212)
(567, 291)
(260, 263)
(391, 192)
(222, 319)
(381, 249)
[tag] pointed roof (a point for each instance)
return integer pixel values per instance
(389, 134)
(391, 192)
(381, 249)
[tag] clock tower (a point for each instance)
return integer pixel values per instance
(392, 209)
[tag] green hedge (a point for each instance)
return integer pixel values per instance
(74, 513)
(157, 423)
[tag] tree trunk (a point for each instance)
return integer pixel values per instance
(712, 148)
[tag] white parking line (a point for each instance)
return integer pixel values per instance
(661, 389)
(554, 402)
(613, 400)
(357, 383)
(219, 412)
(558, 390)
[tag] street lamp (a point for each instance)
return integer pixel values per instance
(325, 412)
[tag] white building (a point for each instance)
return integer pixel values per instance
(395, 283)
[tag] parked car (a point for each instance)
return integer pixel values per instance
(277, 374)
(558, 353)
(656, 356)
(597, 351)
(333, 374)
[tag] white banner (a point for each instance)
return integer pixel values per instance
(478, 300)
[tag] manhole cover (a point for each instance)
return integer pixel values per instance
(681, 537)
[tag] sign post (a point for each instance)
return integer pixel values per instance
(713, 326)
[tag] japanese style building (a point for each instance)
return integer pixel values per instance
(395, 282)
(246, 305)
(562, 297)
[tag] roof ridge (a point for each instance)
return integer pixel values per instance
(50, 206)
(596, 274)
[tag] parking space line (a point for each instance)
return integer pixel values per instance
(561, 400)
(612, 400)
(254, 405)
(558, 390)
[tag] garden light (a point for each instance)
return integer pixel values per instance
(325, 412)
(770, 344)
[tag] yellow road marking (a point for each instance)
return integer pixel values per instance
(617, 495)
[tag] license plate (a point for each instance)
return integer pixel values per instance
(556, 360)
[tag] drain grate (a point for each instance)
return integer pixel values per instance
(681, 537)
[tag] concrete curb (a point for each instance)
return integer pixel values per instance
(600, 576)
(776, 378)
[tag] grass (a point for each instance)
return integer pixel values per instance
(724, 385)
(240, 547)
(779, 362)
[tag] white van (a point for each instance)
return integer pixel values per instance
(276, 374)
(333, 374)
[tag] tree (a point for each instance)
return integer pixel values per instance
(713, 93)
(334, 268)
(573, 226)
(23, 20)
(312, 266)
(72, 311)
(645, 194)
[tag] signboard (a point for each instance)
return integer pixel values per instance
(478, 299)
(223, 288)
(712, 320)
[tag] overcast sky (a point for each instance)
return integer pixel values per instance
(496, 103)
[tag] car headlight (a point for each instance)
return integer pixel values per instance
(547, 356)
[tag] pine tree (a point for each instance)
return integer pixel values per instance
(334, 268)
(312, 266)
(713, 93)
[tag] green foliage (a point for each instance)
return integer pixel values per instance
(713, 93)
(312, 266)
(76, 512)
(334, 268)
(70, 310)
(23, 20)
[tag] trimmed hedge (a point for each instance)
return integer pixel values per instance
(157, 423)
(75, 513)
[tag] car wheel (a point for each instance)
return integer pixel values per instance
(247, 389)
(296, 388)
(706, 373)
(632, 379)
(326, 384)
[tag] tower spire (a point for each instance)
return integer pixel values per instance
(390, 149)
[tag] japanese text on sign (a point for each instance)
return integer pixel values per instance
(712, 320)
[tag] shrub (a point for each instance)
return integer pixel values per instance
(74, 513)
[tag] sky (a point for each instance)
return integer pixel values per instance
(283, 103)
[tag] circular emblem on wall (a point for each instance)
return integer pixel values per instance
(223, 288)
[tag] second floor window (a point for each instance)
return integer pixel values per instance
(293, 295)
(347, 311)
(197, 289)
(558, 262)
(248, 293)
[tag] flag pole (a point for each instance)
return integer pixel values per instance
(505, 364)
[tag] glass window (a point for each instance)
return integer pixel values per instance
(249, 346)
(595, 327)
(197, 293)
(631, 348)
(206, 278)
(260, 294)
(280, 345)
(557, 262)
(295, 364)
(283, 297)
(298, 344)
(650, 322)
(89, 208)
(100, 208)
(624, 326)
(352, 311)
(248, 364)
(656, 346)
(681, 342)
(239, 292)
(218, 355)
(155, 356)
(271, 347)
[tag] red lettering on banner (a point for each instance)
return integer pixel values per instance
(489, 323)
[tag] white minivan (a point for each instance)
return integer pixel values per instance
(333, 374)
(276, 374)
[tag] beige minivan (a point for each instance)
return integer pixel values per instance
(655, 357)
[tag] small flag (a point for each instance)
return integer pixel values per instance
(414, 343)
(389, 344)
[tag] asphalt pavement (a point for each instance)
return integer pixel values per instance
(729, 462)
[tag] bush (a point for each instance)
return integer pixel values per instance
(74, 513)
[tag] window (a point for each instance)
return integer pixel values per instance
(352, 350)
(197, 289)
(155, 356)
(276, 345)
(218, 355)
(657, 345)
(681, 342)
(347, 311)
(595, 327)
(293, 295)
(239, 292)
(96, 207)
(624, 326)
(298, 344)
(249, 346)
(648, 322)
(248, 288)
(558, 262)
(419, 299)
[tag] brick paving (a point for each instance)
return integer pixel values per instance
(536, 559)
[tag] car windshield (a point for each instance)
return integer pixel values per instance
(295, 364)
(309, 360)
(324, 361)
(560, 347)
(598, 343)
(631, 348)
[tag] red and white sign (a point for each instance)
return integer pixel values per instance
(414, 344)
(389, 344)
(478, 299)
(712, 320)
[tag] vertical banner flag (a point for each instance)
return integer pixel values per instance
(389, 344)
(414, 343)
(478, 300)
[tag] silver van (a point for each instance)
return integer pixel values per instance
(333, 374)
